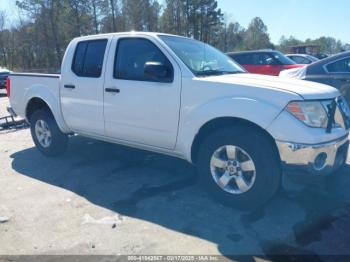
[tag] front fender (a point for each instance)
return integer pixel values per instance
(259, 112)
(51, 99)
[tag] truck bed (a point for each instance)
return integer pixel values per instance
(36, 75)
(23, 84)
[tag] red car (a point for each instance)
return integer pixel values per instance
(266, 62)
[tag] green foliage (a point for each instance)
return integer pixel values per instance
(140, 15)
(235, 37)
(256, 36)
(326, 45)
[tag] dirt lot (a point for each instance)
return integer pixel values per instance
(100, 198)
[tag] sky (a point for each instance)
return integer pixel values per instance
(300, 18)
(9, 6)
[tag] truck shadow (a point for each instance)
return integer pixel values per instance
(163, 190)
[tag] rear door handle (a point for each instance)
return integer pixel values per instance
(344, 80)
(69, 86)
(112, 90)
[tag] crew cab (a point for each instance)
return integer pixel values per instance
(181, 97)
(265, 62)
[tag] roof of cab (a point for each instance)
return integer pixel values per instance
(131, 33)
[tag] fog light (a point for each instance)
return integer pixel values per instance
(320, 161)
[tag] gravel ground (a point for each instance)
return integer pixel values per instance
(100, 198)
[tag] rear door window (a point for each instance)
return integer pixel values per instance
(88, 58)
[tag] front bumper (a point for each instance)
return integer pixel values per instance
(316, 159)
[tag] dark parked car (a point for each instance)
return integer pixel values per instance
(265, 62)
(4, 73)
(334, 71)
(302, 59)
(320, 56)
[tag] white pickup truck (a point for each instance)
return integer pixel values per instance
(181, 97)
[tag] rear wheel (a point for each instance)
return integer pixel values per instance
(46, 135)
(239, 167)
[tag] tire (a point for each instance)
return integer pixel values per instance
(250, 145)
(54, 145)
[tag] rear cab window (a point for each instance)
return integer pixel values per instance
(88, 58)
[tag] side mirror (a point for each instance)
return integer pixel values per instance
(158, 72)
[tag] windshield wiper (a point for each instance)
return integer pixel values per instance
(217, 72)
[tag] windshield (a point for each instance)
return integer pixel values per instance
(202, 59)
(283, 59)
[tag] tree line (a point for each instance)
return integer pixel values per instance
(45, 27)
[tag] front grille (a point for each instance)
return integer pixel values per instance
(344, 110)
(340, 115)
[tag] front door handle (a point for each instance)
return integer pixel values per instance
(112, 90)
(69, 86)
(344, 80)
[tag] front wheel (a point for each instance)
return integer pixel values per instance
(46, 135)
(239, 167)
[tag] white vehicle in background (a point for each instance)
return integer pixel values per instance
(181, 97)
(302, 59)
(4, 73)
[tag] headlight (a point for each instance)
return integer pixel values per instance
(312, 113)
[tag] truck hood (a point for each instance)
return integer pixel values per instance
(305, 89)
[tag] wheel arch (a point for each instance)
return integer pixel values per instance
(38, 102)
(34, 104)
(221, 122)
